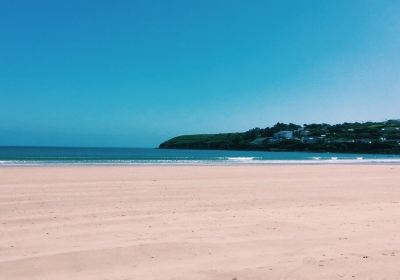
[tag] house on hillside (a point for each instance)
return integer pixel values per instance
(284, 134)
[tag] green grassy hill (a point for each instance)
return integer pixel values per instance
(368, 137)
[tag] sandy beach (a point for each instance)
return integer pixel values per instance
(200, 222)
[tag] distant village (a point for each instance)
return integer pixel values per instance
(388, 133)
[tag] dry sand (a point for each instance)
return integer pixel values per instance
(243, 222)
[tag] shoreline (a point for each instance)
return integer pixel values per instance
(211, 164)
(60, 156)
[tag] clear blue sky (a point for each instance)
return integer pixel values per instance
(134, 73)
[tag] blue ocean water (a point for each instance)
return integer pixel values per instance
(16, 156)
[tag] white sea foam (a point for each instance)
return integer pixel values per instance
(242, 159)
(218, 161)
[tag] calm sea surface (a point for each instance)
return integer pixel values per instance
(11, 156)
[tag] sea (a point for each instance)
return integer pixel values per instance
(54, 156)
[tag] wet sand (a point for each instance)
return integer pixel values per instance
(200, 222)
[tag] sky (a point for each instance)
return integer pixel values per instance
(135, 73)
